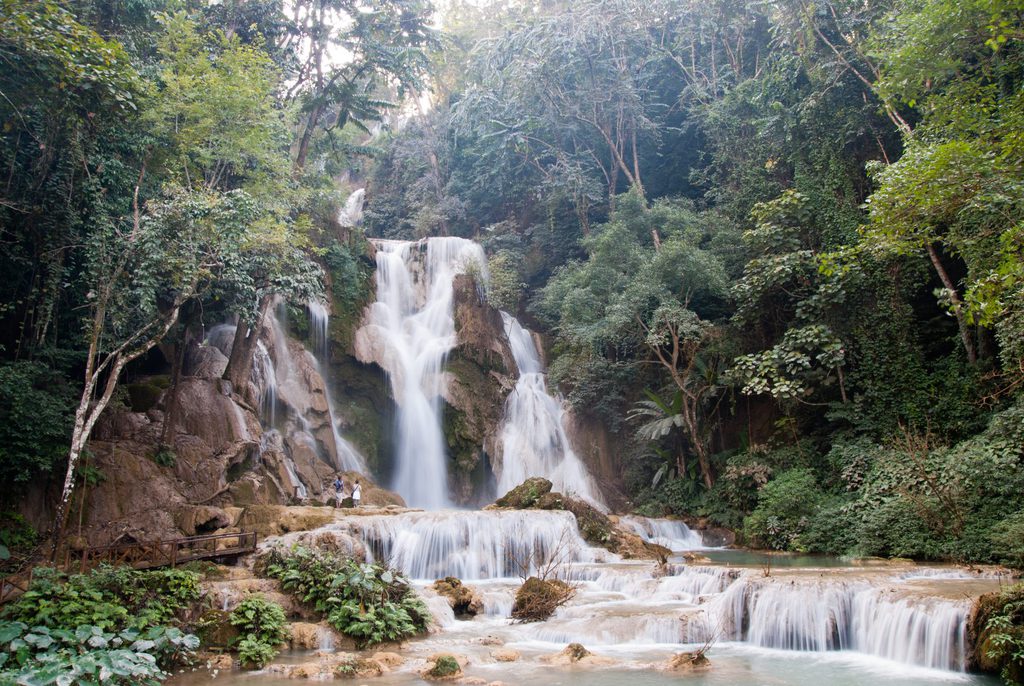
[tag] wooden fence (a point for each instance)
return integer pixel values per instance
(140, 556)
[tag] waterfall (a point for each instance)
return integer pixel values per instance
(809, 615)
(533, 438)
(352, 213)
(319, 319)
(265, 378)
(411, 329)
(347, 457)
(473, 545)
(670, 533)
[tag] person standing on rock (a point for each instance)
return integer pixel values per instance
(339, 491)
(357, 494)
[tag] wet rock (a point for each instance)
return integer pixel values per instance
(308, 636)
(196, 519)
(273, 520)
(576, 654)
(215, 630)
(718, 537)
(390, 660)
(444, 667)
(688, 662)
(492, 641)
(526, 494)
(505, 655)
(220, 663)
(537, 599)
(464, 600)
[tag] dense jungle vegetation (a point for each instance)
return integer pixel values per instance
(777, 247)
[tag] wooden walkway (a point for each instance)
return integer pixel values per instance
(140, 556)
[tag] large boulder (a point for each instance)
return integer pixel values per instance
(465, 600)
(526, 494)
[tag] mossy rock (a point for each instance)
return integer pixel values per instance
(526, 494)
(215, 630)
(985, 656)
(463, 599)
(537, 599)
(143, 397)
(445, 667)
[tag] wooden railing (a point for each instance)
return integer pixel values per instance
(141, 556)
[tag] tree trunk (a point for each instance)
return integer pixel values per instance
(307, 135)
(966, 335)
(243, 348)
(171, 405)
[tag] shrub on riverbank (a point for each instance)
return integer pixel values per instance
(263, 628)
(113, 625)
(368, 602)
(997, 628)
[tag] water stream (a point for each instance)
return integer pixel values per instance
(533, 438)
(799, 621)
(411, 330)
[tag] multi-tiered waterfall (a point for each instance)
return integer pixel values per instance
(533, 438)
(409, 331)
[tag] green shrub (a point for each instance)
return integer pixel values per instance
(35, 422)
(264, 627)
(369, 602)
(784, 510)
(89, 655)
(1008, 540)
(111, 598)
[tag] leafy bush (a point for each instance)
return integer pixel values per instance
(264, 627)
(111, 598)
(784, 510)
(368, 602)
(89, 655)
(998, 624)
(35, 422)
(1008, 540)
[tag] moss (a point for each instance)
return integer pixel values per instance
(143, 397)
(987, 655)
(445, 666)
(526, 494)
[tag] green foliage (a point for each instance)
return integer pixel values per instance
(505, 286)
(263, 627)
(785, 507)
(89, 655)
(1008, 540)
(369, 602)
(1003, 632)
(35, 421)
(110, 598)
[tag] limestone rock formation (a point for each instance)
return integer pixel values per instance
(464, 600)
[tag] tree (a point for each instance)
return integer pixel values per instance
(350, 55)
(641, 293)
(142, 272)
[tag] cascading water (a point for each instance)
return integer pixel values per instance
(352, 213)
(347, 457)
(474, 545)
(670, 533)
(411, 328)
(533, 438)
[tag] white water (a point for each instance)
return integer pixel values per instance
(533, 438)
(347, 458)
(412, 325)
(352, 213)
(473, 545)
(672, 534)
